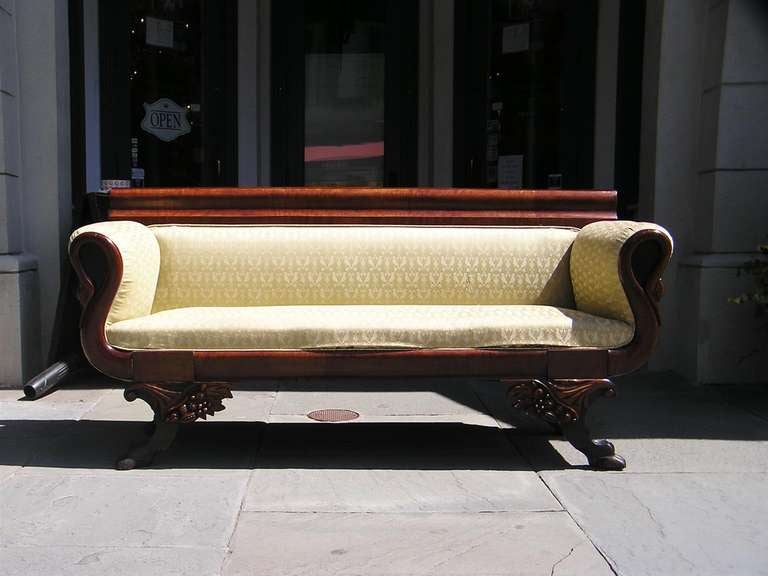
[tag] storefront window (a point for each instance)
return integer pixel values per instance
(525, 114)
(170, 126)
(344, 99)
(344, 93)
(166, 120)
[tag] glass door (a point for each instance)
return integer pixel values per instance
(344, 100)
(524, 116)
(167, 92)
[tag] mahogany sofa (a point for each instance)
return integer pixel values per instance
(187, 292)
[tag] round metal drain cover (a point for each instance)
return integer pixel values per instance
(333, 415)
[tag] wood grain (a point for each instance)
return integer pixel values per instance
(412, 206)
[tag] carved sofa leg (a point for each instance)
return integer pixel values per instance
(173, 404)
(565, 404)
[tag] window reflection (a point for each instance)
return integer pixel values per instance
(344, 93)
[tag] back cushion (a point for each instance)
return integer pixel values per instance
(295, 265)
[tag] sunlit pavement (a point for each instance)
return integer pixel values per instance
(435, 477)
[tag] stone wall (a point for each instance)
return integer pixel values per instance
(705, 177)
(35, 179)
(20, 353)
(731, 210)
(703, 173)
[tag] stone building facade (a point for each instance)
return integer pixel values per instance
(702, 164)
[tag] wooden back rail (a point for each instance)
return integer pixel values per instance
(416, 206)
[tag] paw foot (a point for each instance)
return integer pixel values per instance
(126, 463)
(602, 448)
(612, 462)
(137, 458)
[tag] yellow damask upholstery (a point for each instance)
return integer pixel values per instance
(377, 326)
(307, 265)
(325, 287)
(595, 267)
(141, 265)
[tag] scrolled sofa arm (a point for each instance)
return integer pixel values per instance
(118, 264)
(616, 269)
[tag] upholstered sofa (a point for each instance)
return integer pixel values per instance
(183, 311)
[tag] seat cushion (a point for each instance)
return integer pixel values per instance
(367, 327)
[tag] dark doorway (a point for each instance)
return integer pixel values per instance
(344, 101)
(168, 107)
(524, 93)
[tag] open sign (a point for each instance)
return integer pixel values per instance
(165, 119)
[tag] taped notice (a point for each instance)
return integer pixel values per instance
(516, 38)
(510, 174)
(159, 32)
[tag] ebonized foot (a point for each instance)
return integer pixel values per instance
(564, 403)
(142, 455)
(600, 453)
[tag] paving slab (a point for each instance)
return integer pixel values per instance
(244, 406)
(92, 561)
(7, 471)
(470, 418)
(92, 447)
(64, 404)
(119, 511)
(394, 446)
(247, 406)
(114, 406)
(699, 524)
(750, 397)
(16, 453)
(646, 455)
(663, 406)
(30, 429)
(11, 395)
(382, 397)
(435, 544)
(660, 424)
(60, 443)
(409, 491)
(68, 395)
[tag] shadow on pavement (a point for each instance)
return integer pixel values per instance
(648, 406)
(235, 445)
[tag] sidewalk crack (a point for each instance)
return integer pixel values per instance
(552, 572)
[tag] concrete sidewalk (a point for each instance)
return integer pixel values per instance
(423, 483)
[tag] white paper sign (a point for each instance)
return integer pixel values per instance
(165, 119)
(511, 171)
(492, 147)
(516, 38)
(107, 185)
(159, 32)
